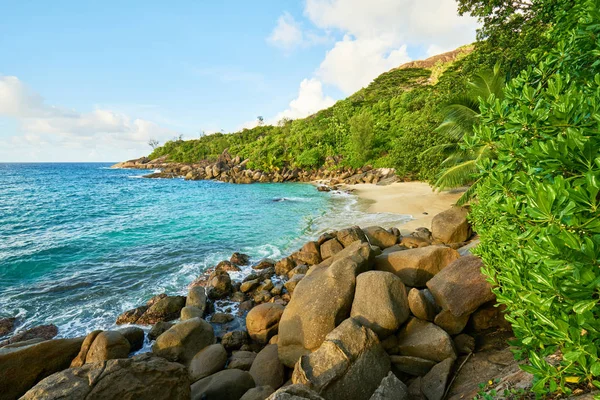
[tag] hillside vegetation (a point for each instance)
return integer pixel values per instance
(387, 124)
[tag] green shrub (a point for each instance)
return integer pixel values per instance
(538, 209)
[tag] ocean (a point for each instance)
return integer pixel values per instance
(80, 243)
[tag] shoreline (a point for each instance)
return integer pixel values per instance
(416, 199)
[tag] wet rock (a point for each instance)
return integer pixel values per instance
(229, 384)
(166, 309)
(461, 287)
(450, 323)
(45, 332)
(227, 266)
(184, 340)
(434, 383)
(23, 367)
(189, 312)
(451, 226)
(262, 296)
(249, 286)
(241, 359)
(380, 302)
(349, 364)
(416, 266)
(239, 259)
(321, 300)
(414, 366)
(158, 329)
(380, 237)
(219, 285)
(283, 266)
(142, 378)
(135, 337)
(7, 325)
(425, 340)
(197, 298)
(330, 248)
(267, 369)
(390, 388)
(262, 322)
(235, 340)
(265, 263)
(108, 345)
(422, 304)
(221, 318)
(207, 361)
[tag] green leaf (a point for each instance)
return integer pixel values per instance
(583, 306)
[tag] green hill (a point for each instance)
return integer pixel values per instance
(387, 124)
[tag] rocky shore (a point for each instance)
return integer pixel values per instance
(228, 168)
(356, 314)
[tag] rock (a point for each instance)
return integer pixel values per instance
(299, 269)
(158, 329)
(7, 325)
(308, 258)
(416, 266)
(267, 285)
(139, 378)
(207, 361)
(131, 316)
(239, 259)
(295, 392)
(241, 359)
(184, 340)
(226, 266)
(390, 344)
(434, 383)
(277, 289)
(79, 360)
(390, 388)
(234, 340)
(290, 285)
(414, 366)
(490, 316)
(135, 337)
(108, 345)
(248, 286)
(166, 309)
(321, 301)
(197, 298)
(221, 318)
(283, 266)
(422, 233)
(264, 263)
(219, 285)
(464, 343)
(258, 393)
(267, 369)
(450, 323)
(262, 322)
(425, 340)
(466, 250)
(312, 248)
(229, 384)
(394, 248)
(350, 235)
(23, 367)
(380, 302)
(45, 332)
(262, 296)
(422, 304)
(330, 248)
(349, 364)
(189, 312)
(411, 242)
(451, 226)
(461, 287)
(380, 237)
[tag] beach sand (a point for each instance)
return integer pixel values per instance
(412, 198)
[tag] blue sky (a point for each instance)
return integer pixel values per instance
(93, 81)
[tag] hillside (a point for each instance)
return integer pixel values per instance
(388, 124)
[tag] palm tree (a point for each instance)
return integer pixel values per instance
(460, 165)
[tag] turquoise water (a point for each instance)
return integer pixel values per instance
(80, 243)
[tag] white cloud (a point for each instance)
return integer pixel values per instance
(310, 100)
(287, 34)
(42, 124)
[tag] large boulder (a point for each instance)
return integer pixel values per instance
(425, 340)
(330, 248)
(219, 285)
(184, 340)
(234, 340)
(158, 329)
(108, 345)
(267, 369)
(349, 364)
(416, 266)
(451, 226)
(239, 259)
(196, 298)
(262, 322)
(135, 337)
(229, 384)
(189, 312)
(461, 287)
(390, 388)
(208, 361)
(422, 304)
(79, 360)
(295, 392)
(166, 309)
(44, 332)
(380, 237)
(350, 235)
(139, 378)
(321, 301)
(434, 383)
(23, 367)
(451, 323)
(380, 302)
(241, 359)
(258, 393)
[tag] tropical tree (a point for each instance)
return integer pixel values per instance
(461, 116)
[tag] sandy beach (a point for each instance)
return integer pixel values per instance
(413, 198)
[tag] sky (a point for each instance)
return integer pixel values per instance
(96, 80)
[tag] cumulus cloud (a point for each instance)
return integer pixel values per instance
(42, 123)
(287, 34)
(310, 100)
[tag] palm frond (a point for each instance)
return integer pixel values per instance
(469, 194)
(458, 175)
(441, 148)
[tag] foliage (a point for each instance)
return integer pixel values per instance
(361, 138)
(538, 209)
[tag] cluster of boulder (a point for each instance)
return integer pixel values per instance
(235, 170)
(356, 314)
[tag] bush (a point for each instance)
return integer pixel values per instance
(538, 209)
